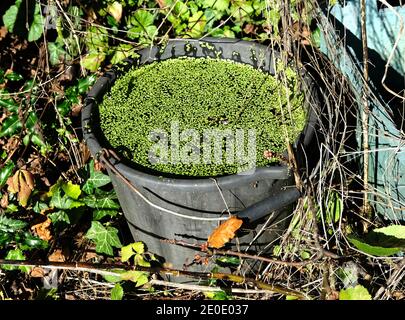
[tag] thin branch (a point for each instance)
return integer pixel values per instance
(106, 269)
(366, 111)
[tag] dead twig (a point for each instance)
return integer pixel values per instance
(108, 270)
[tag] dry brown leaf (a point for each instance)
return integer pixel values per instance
(249, 28)
(22, 183)
(42, 229)
(57, 256)
(4, 201)
(3, 32)
(37, 272)
(161, 3)
(90, 255)
(224, 232)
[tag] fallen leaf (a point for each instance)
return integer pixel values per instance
(22, 183)
(249, 28)
(3, 32)
(57, 256)
(224, 232)
(37, 272)
(4, 201)
(42, 229)
(90, 255)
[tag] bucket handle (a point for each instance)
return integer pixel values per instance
(273, 203)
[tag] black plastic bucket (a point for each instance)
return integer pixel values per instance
(263, 198)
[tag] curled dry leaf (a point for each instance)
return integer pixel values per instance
(42, 229)
(57, 256)
(224, 232)
(37, 272)
(4, 201)
(22, 183)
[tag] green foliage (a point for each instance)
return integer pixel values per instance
(117, 293)
(217, 295)
(5, 172)
(12, 18)
(15, 254)
(209, 94)
(13, 234)
(28, 125)
(97, 179)
(381, 242)
(105, 238)
(355, 293)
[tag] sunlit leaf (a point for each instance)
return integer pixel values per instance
(355, 293)
(117, 293)
(72, 190)
(10, 126)
(37, 25)
(105, 238)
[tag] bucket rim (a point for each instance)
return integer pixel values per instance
(105, 82)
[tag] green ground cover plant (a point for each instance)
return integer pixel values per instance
(201, 94)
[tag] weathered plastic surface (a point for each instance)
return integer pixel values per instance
(203, 197)
(341, 42)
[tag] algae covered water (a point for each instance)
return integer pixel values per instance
(201, 117)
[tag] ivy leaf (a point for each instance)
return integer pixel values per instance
(57, 53)
(141, 19)
(101, 202)
(64, 202)
(11, 225)
(241, 10)
(6, 172)
(117, 293)
(105, 238)
(220, 5)
(16, 254)
(355, 293)
(10, 126)
(31, 242)
(196, 24)
(93, 61)
(72, 190)
(97, 39)
(97, 179)
(122, 52)
(13, 76)
(85, 83)
(142, 24)
(100, 214)
(10, 16)
(9, 104)
(59, 217)
(37, 25)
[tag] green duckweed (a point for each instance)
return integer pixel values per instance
(200, 94)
